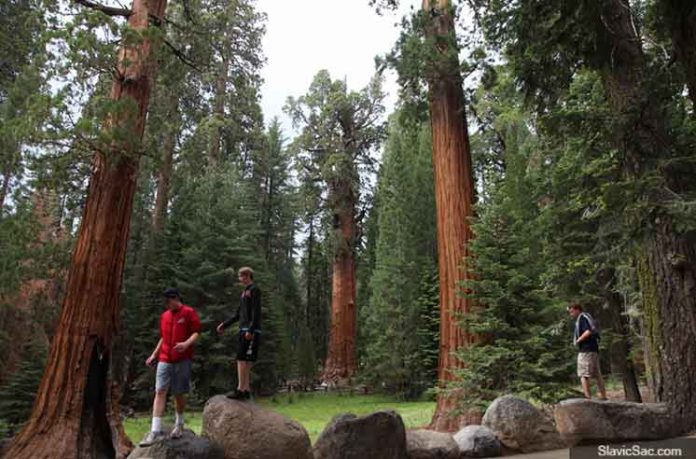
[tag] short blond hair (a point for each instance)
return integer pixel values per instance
(246, 271)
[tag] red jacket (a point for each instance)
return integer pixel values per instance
(176, 327)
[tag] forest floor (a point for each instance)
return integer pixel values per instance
(313, 410)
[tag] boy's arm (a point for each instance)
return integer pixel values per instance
(150, 360)
(231, 320)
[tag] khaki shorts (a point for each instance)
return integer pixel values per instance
(588, 364)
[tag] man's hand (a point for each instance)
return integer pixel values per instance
(151, 360)
(248, 336)
(181, 347)
(220, 328)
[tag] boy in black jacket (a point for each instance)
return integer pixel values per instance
(249, 317)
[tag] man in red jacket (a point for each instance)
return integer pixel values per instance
(179, 328)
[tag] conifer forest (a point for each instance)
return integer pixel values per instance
(420, 235)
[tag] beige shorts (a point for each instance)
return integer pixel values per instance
(588, 364)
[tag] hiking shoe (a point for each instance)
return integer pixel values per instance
(151, 438)
(235, 395)
(177, 432)
(246, 395)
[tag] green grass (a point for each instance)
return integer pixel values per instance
(312, 410)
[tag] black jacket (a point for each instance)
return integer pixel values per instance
(249, 312)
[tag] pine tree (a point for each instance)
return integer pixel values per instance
(404, 253)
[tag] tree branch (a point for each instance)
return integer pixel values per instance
(108, 10)
(182, 57)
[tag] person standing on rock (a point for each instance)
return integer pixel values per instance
(586, 339)
(179, 329)
(249, 316)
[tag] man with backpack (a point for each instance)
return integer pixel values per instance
(586, 339)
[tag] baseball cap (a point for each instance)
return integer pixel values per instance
(171, 292)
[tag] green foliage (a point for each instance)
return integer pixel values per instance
(18, 392)
(398, 331)
(523, 346)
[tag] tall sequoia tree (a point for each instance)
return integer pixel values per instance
(74, 414)
(454, 197)
(339, 131)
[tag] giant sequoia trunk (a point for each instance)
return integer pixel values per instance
(74, 414)
(340, 361)
(667, 259)
(454, 196)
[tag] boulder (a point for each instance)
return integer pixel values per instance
(379, 435)
(189, 446)
(428, 444)
(246, 430)
(478, 441)
(520, 426)
(583, 421)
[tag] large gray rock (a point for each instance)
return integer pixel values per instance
(428, 444)
(478, 441)
(246, 430)
(520, 426)
(594, 421)
(379, 435)
(189, 446)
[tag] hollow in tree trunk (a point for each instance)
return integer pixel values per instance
(74, 414)
(454, 197)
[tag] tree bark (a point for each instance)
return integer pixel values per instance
(620, 346)
(5, 188)
(218, 112)
(667, 259)
(165, 170)
(454, 196)
(340, 361)
(74, 413)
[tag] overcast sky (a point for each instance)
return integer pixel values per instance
(305, 36)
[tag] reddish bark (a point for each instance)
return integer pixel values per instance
(74, 414)
(454, 196)
(340, 361)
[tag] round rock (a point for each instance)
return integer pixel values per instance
(246, 430)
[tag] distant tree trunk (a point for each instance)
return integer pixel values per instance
(165, 169)
(340, 361)
(74, 414)
(5, 188)
(620, 348)
(667, 261)
(454, 196)
(218, 112)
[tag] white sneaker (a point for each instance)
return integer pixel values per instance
(177, 431)
(151, 438)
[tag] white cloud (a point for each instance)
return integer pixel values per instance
(305, 36)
